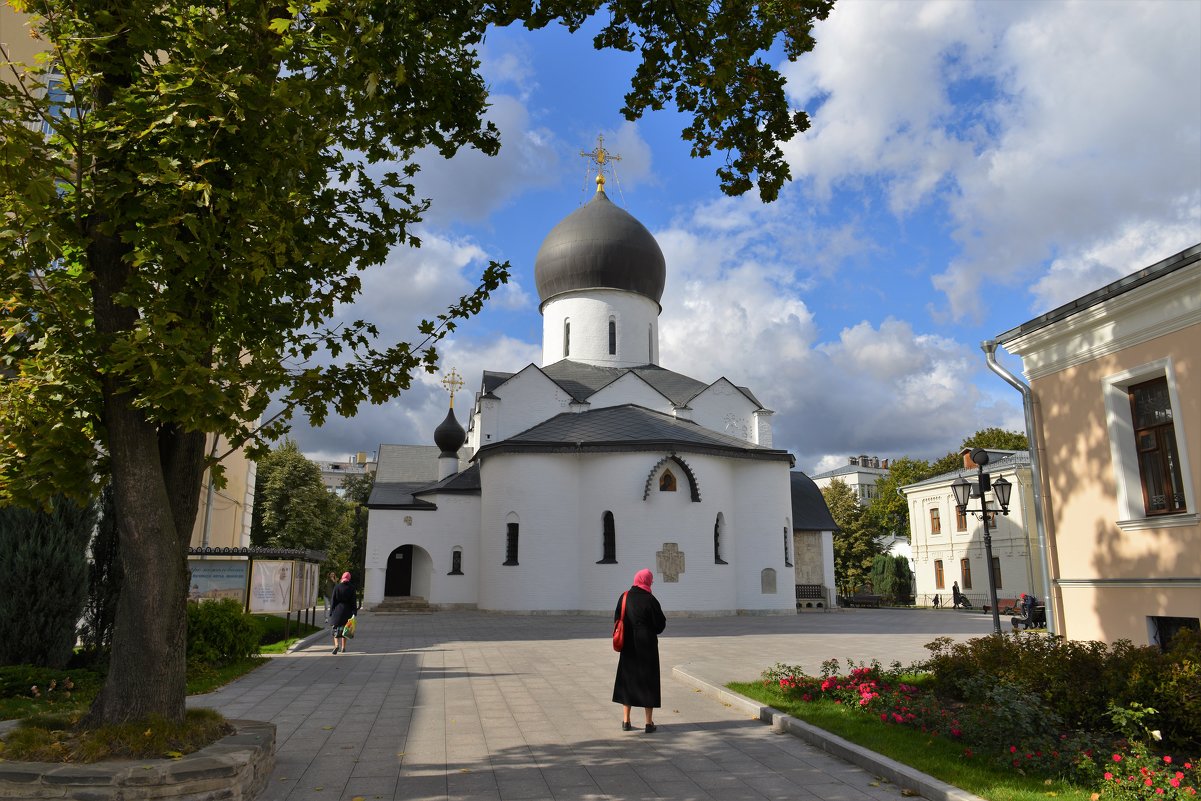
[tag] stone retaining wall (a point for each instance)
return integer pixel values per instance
(235, 768)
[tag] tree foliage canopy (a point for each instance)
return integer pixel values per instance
(219, 174)
(292, 507)
(855, 545)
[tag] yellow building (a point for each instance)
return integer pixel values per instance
(1116, 376)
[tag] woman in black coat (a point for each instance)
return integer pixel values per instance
(637, 681)
(345, 604)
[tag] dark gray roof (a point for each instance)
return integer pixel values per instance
(600, 245)
(1171, 264)
(398, 495)
(465, 481)
(809, 510)
(403, 494)
(581, 381)
(1000, 460)
(627, 428)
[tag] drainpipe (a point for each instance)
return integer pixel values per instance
(989, 346)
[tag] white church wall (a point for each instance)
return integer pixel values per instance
(763, 527)
(526, 400)
(589, 311)
(630, 388)
(455, 524)
(723, 408)
(542, 491)
(644, 527)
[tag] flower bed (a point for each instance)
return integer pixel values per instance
(971, 696)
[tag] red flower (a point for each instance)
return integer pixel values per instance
(967, 752)
(1168, 760)
(1174, 782)
(1108, 775)
(1013, 749)
(1117, 757)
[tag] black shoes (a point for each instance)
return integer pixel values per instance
(626, 726)
(336, 649)
(650, 728)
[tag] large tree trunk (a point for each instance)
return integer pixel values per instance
(156, 473)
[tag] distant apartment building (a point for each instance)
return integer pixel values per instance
(860, 473)
(1116, 375)
(333, 473)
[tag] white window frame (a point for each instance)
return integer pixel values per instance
(1119, 420)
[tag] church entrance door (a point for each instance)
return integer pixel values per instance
(399, 579)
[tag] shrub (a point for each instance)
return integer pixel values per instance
(1137, 773)
(43, 570)
(219, 632)
(1079, 680)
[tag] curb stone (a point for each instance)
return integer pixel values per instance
(899, 774)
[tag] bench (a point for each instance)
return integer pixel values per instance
(1037, 619)
(863, 601)
(1006, 606)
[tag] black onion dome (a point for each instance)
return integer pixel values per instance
(600, 245)
(449, 435)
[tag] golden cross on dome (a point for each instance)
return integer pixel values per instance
(600, 157)
(452, 381)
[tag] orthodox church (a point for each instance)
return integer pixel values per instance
(572, 476)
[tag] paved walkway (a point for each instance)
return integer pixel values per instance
(479, 706)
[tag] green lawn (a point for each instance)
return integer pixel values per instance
(937, 756)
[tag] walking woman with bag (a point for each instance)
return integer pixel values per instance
(345, 605)
(637, 682)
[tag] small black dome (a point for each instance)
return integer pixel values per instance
(449, 435)
(600, 245)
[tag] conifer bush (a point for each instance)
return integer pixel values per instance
(43, 570)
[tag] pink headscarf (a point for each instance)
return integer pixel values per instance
(643, 579)
(346, 576)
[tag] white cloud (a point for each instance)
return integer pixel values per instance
(735, 307)
(470, 186)
(1050, 130)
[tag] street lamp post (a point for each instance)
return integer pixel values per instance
(963, 490)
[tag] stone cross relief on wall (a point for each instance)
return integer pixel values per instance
(669, 562)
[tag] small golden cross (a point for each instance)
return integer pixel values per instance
(600, 157)
(452, 381)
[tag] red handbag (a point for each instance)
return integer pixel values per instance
(619, 628)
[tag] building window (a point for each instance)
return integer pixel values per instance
(456, 562)
(965, 570)
(608, 540)
(787, 558)
(1152, 474)
(612, 337)
(650, 343)
(718, 525)
(939, 583)
(996, 571)
(1163, 629)
(667, 482)
(960, 519)
(935, 523)
(1155, 441)
(511, 544)
(566, 338)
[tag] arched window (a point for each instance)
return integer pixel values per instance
(608, 540)
(612, 336)
(667, 481)
(718, 525)
(566, 338)
(456, 562)
(511, 540)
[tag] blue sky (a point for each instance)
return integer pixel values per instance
(970, 165)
